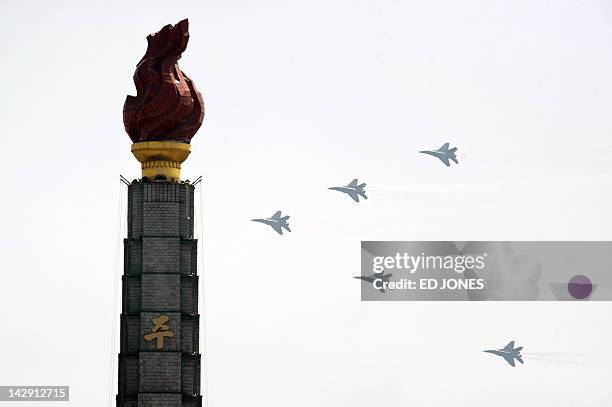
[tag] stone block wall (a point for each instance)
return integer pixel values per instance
(160, 298)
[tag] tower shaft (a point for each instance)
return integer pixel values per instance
(159, 360)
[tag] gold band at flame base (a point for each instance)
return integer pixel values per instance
(161, 158)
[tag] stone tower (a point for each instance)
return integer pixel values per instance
(159, 360)
(159, 281)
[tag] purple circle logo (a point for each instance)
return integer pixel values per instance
(580, 287)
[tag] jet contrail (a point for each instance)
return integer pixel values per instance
(425, 187)
(589, 363)
(571, 358)
(568, 354)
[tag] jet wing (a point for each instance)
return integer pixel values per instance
(445, 147)
(371, 280)
(509, 347)
(353, 183)
(277, 227)
(444, 159)
(509, 359)
(353, 194)
(277, 215)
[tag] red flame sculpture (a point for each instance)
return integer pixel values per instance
(167, 106)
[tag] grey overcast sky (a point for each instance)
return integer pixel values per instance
(301, 96)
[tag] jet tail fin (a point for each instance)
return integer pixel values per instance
(520, 359)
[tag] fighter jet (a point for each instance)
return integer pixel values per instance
(277, 221)
(444, 154)
(353, 190)
(382, 277)
(509, 353)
